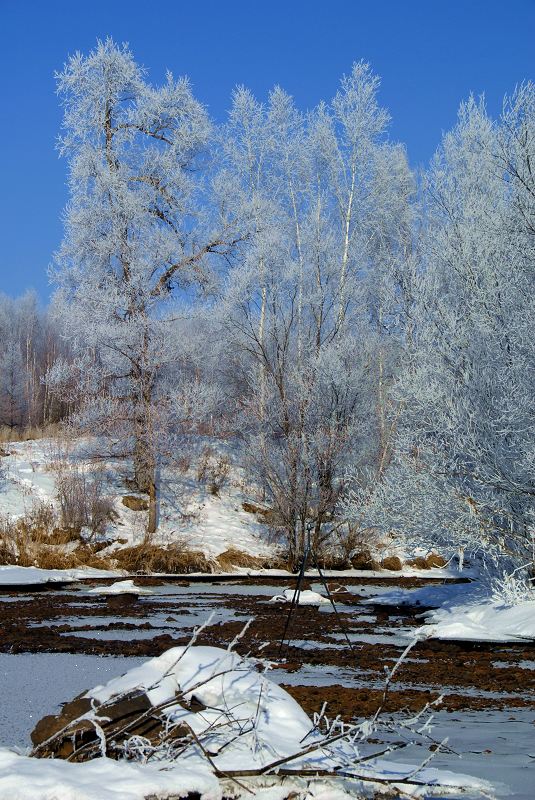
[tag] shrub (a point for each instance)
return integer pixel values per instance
(82, 501)
(213, 470)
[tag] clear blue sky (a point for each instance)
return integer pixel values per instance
(430, 54)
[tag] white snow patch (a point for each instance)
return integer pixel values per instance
(491, 621)
(304, 598)
(120, 587)
(24, 778)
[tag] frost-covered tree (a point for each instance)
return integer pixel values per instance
(138, 238)
(311, 298)
(12, 382)
(464, 467)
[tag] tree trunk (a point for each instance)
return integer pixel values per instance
(153, 515)
(143, 464)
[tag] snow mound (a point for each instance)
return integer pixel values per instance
(120, 587)
(490, 621)
(245, 719)
(305, 598)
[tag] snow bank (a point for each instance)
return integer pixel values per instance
(12, 575)
(24, 778)
(488, 621)
(306, 598)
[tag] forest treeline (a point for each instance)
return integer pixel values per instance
(363, 333)
(30, 342)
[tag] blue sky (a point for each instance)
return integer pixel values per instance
(430, 54)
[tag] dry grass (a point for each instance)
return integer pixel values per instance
(64, 536)
(172, 559)
(364, 560)
(51, 558)
(237, 558)
(392, 563)
(34, 541)
(267, 516)
(427, 562)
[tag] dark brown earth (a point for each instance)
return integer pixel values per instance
(466, 674)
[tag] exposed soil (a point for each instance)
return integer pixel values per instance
(468, 675)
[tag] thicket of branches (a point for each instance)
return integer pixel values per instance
(364, 332)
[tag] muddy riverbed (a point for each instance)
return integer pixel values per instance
(338, 657)
(56, 642)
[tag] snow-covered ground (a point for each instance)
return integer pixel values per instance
(187, 510)
(11, 575)
(484, 621)
(188, 513)
(462, 612)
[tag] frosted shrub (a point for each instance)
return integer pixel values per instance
(82, 502)
(213, 470)
(513, 587)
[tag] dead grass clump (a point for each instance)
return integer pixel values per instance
(252, 508)
(135, 503)
(237, 558)
(52, 558)
(435, 560)
(419, 562)
(364, 560)
(392, 562)
(333, 559)
(31, 541)
(268, 516)
(64, 536)
(172, 559)
(8, 536)
(83, 556)
(16, 543)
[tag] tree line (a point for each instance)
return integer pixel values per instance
(363, 331)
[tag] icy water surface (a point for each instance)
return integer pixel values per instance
(35, 684)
